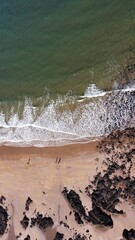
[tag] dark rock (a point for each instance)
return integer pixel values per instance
(129, 234)
(78, 218)
(108, 187)
(98, 217)
(18, 236)
(59, 236)
(74, 200)
(25, 222)
(129, 190)
(104, 195)
(79, 237)
(64, 224)
(33, 222)
(133, 151)
(3, 220)
(28, 202)
(42, 221)
(27, 238)
(2, 199)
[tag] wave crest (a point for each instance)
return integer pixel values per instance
(66, 119)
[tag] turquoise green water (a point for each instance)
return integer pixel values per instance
(62, 45)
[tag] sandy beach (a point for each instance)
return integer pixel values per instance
(32, 181)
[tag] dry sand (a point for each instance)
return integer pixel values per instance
(35, 173)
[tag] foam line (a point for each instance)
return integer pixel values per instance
(53, 127)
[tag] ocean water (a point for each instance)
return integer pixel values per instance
(59, 70)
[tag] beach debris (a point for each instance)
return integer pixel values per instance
(28, 202)
(59, 236)
(129, 234)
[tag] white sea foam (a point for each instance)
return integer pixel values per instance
(93, 91)
(57, 124)
(129, 86)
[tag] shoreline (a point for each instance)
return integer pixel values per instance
(17, 153)
(52, 143)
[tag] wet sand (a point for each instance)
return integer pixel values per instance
(42, 174)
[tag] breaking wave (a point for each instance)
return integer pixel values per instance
(93, 91)
(67, 119)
